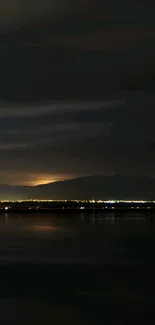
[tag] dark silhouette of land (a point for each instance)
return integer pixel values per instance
(85, 188)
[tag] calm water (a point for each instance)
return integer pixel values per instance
(79, 270)
(54, 239)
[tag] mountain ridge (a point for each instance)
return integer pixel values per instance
(88, 187)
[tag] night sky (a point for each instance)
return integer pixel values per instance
(77, 89)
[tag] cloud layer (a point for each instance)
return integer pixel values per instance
(59, 141)
(76, 89)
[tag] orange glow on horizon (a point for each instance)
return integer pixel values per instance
(42, 182)
(45, 179)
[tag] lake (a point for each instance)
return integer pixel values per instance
(76, 269)
(54, 238)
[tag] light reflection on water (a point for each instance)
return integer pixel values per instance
(42, 223)
(45, 228)
(68, 237)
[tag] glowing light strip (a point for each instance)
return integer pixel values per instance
(78, 201)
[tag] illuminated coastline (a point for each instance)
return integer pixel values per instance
(82, 201)
(118, 207)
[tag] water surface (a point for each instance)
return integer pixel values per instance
(54, 238)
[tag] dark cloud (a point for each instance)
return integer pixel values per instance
(84, 50)
(15, 13)
(63, 140)
(76, 89)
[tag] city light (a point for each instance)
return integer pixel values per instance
(78, 201)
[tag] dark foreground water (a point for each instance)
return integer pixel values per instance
(76, 269)
(56, 239)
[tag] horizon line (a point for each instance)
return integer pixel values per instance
(82, 200)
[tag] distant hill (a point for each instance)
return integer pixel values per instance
(91, 187)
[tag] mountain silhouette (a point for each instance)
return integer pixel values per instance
(85, 188)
